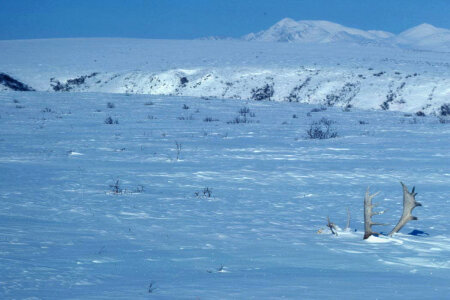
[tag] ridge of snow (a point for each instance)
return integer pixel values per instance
(382, 34)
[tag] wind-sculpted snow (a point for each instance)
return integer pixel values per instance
(175, 200)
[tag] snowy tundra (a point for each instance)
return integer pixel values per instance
(115, 196)
(137, 169)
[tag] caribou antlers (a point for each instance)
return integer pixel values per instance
(369, 213)
(409, 203)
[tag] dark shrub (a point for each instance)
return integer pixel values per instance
(321, 130)
(239, 120)
(244, 110)
(445, 110)
(262, 93)
(318, 109)
(183, 81)
(110, 120)
(209, 119)
(420, 114)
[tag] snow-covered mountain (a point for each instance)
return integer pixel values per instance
(288, 30)
(425, 37)
(422, 37)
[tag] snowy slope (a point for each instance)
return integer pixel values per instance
(370, 76)
(236, 216)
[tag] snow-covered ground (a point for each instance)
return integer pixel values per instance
(205, 208)
(338, 74)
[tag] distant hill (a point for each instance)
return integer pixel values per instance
(425, 37)
(332, 74)
(422, 37)
(288, 30)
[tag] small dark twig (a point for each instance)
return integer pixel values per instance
(178, 148)
(151, 287)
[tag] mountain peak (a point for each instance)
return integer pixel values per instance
(425, 26)
(313, 31)
(286, 22)
(423, 37)
(421, 30)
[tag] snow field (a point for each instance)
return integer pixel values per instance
(66, 234)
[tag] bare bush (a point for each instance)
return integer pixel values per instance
(263, 93)
(444, 110)
(239, 120)
(244, 111)
(210, 119)
(110, 120)
(319, 109)
(443, 120)
(115, 188)
(205, 193)
(321, 130)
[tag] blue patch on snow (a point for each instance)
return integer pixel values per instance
(418, 233)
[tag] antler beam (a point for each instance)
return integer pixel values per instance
(409, 203)
(369, 213)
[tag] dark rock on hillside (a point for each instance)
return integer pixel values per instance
(14, 84)
(71, 83)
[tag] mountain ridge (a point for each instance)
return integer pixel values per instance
(422, 37)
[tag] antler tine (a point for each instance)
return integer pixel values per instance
(374, 213)
(380, 224)
(369, 213)
(373, 195)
